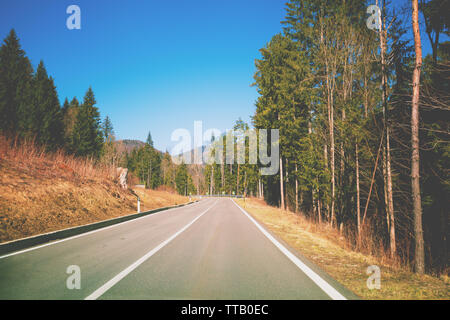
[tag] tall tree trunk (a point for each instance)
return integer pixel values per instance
(212, 180)
(387, 158)
(325, 155)
(281, 184)
(342, 169)
(415, 161)
(319, 213)
(296, 189)
(237, 180)
(245, 183)
(231, 179)
(358, 199)
(286, 181)
(222, 171)
(262, 189)
(332, 161)
(259, 188)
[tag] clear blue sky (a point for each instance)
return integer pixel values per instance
(154, 65)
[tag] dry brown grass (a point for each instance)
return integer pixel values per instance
(152, 199)
(42, 192)
(26, 154)
(328, 249)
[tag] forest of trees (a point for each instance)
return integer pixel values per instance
(154, 168)
(342, 96)
(221, 177)
(30, 109)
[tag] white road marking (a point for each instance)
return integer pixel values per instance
(325, 286)
(97, 293)
(82, 234)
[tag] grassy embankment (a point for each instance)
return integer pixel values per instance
(42, 192)
(330, 251)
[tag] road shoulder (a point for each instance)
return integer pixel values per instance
(338, 262)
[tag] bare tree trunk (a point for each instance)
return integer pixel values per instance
(286, 180)
(222, 171)
(313, 190)
(366, 94)
(245, 183)
(296, 189)
(237, 180)
(212, 180)
(387, 158)
(325, 154)
(415, 160)
(259, 188)
(332, 162)
(329, 94)
(390, 199)
(319, 213)
(342, 168)
(262, 189)
(358, 199)
(281, 184)
(231, 180)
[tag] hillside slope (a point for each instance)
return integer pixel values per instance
(128, 146)
(42, 192)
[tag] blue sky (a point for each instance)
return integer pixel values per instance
(153, 65)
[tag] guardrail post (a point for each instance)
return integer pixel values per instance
(138, 205)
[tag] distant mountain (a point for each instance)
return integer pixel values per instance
(128, 145)
(181, 157)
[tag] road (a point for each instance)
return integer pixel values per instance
(211, 249)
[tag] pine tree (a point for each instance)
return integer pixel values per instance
(107, 130)
(65, 107)
(87, 138)
(15, 82)
(149, 140)
(415, 159)
(109, 154)
(47, 122)
(70, 113)
(181, 179)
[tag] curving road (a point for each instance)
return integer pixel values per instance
(208, 250)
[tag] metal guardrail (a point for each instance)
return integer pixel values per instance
(24, 243)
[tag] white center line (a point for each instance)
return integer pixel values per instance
(108, 285)
(325, 286)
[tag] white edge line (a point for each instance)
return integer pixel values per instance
(97, 293)
(325, 286)
(87, 233)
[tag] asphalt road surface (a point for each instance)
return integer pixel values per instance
(211, 249)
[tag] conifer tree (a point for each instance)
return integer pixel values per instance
(70, 112)
(149, 140)
(107, 130)
(15, 82)
(87, 138)
(47, 122)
